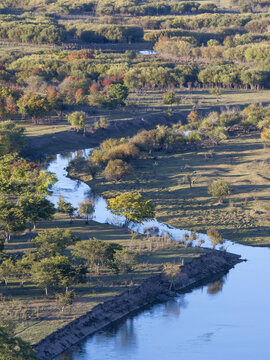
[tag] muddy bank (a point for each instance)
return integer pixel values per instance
(151, 290)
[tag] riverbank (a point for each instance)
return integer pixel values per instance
(161, 177)
(150, 291)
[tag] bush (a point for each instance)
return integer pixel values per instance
(169, 98)
(123, 151)
(116, 170)
(220, 189)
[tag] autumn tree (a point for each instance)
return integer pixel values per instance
(172, 272)
(116, 170)
(34, 106)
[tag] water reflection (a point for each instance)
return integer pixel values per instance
(215, 287)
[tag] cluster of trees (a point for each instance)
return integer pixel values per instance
(106, 33)
(13, 348)
(113, 157)
(22, 194)
(186, 48)
(195, 22)
(252, 117)
(28, 29)
(12, 138)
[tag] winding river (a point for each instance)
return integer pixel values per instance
(226, 319)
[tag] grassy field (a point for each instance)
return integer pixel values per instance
(151, 103)
(242, 161)
(36, 316)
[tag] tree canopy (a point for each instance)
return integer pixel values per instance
(133, 206)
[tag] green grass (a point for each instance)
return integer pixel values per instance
(148, 106)
(37, 316)
(242, 161)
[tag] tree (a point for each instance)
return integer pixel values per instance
(116, 170)
(220, 189)
(133, 206)
(17, 176)
(169, 98)
(33, 105)
(124, 260)
(14, 348)
(7, 270)
(65, 299)
(86, 208)
(12, 218)
(77, 120)
(172, 272)
(12, 138)
(54, 272)
(36, 207)
(95, 253)
(265, 135)
(53, 242)
(214, 236)
(117, 95)
(66, 207)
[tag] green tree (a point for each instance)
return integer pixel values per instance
(169, 98)
(133, 206)
(95, 253)
(124, 260)
(12, 218)
(86, 208)
(14, 348)
(66, 208)
(53, 242)
(17, 176)
(7, 270)
(12, 138)
(214, 236)
(36, 207)
(220, 189)
(65, 299)
(117, 94)
(77, 120)
(33, 105)
(54, 272)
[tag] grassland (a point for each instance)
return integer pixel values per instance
(37, 316)
(147, 106)
(242, 161)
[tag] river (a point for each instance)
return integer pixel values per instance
(226, 319)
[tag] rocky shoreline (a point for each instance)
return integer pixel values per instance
(153, 289)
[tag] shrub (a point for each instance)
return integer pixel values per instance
(116, 170)
(220, 189)
(169, 98)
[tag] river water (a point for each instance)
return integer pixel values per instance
(226, 319)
